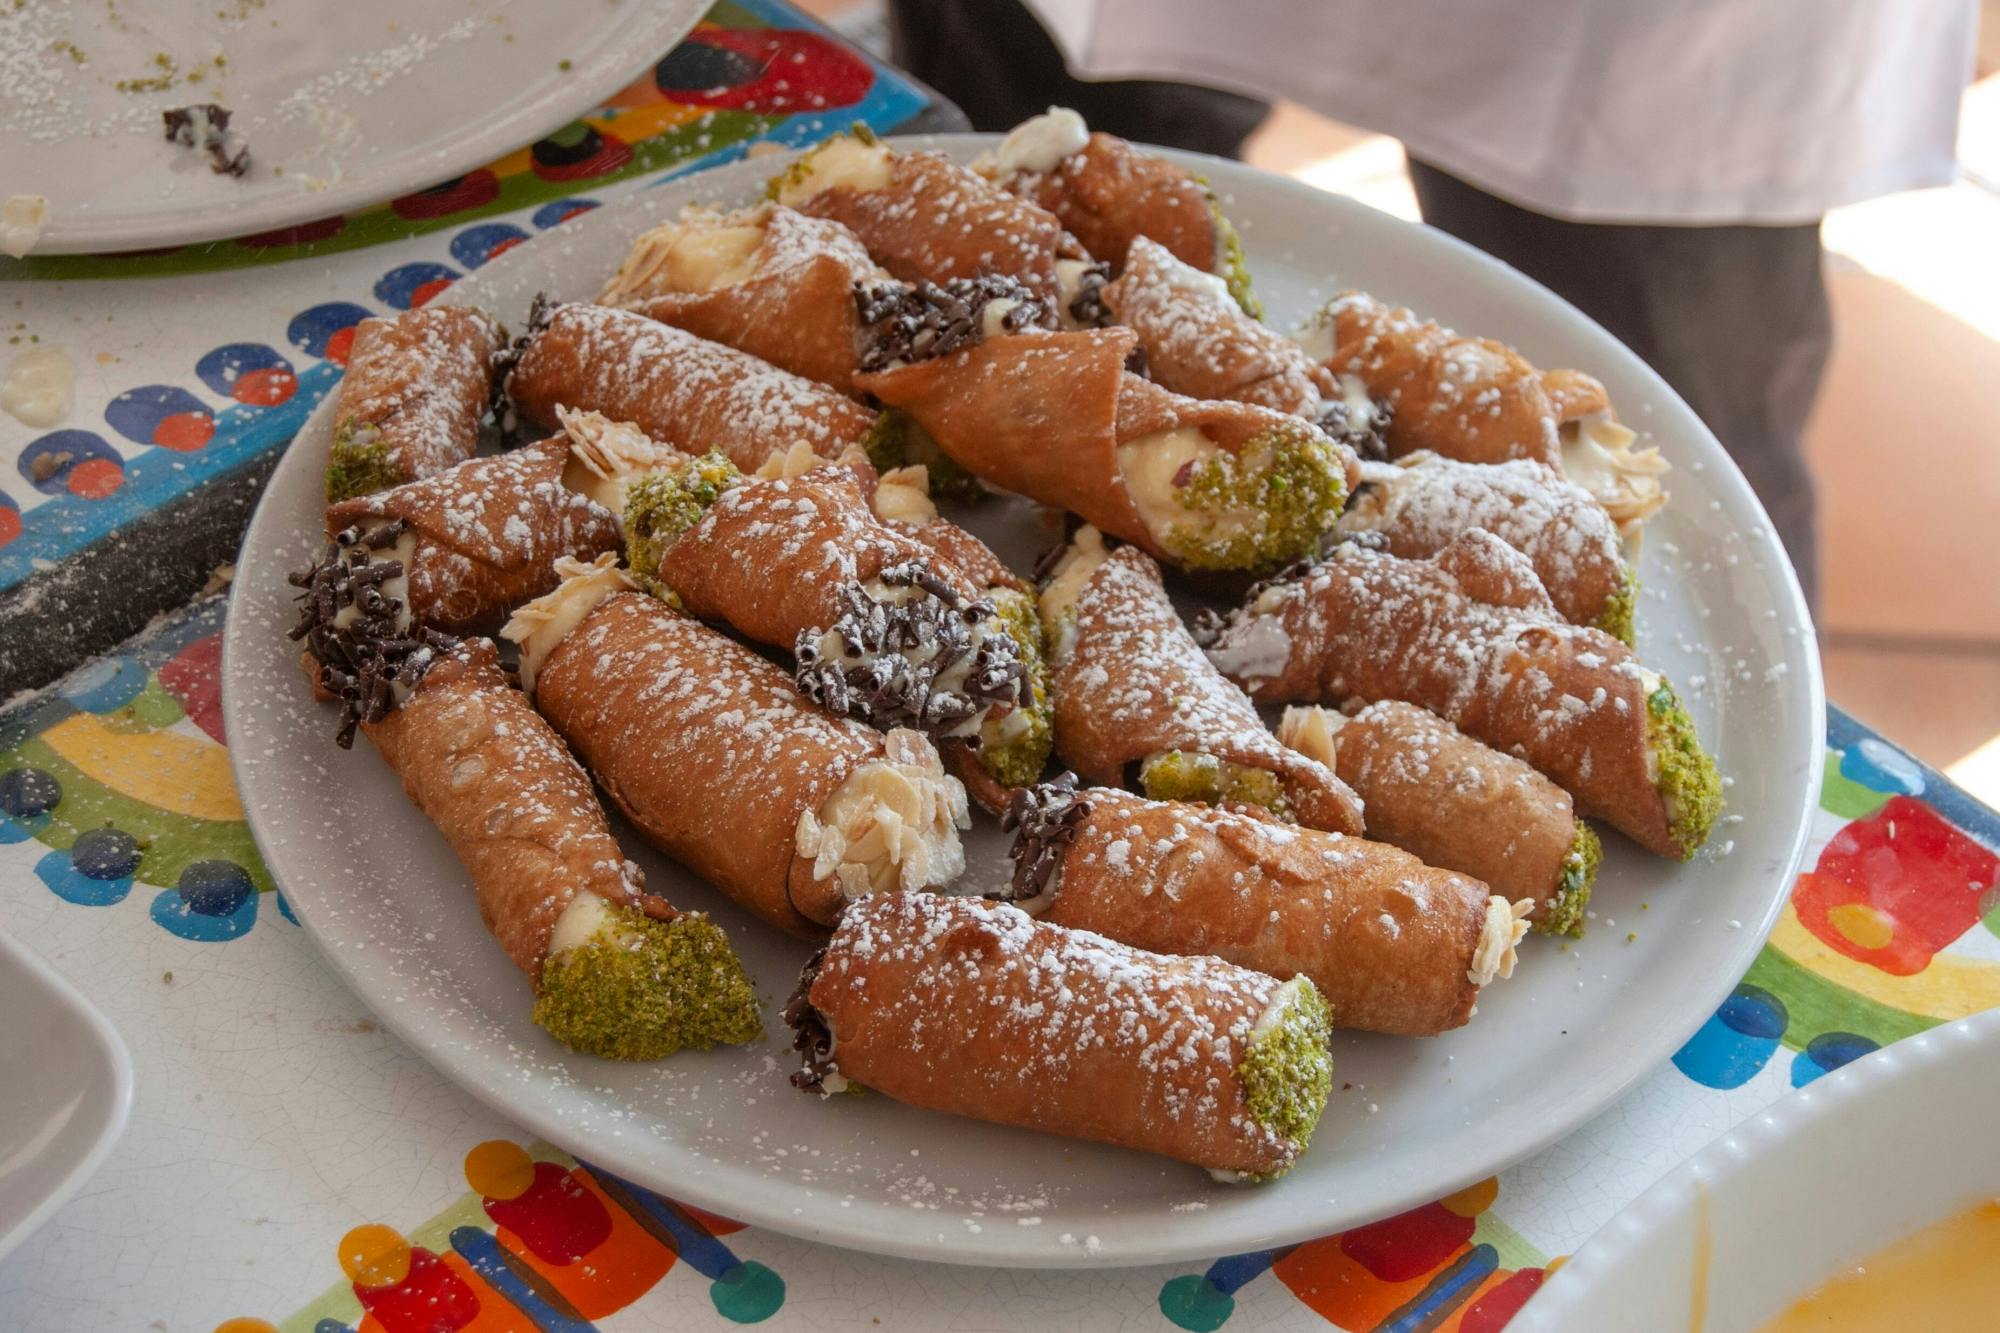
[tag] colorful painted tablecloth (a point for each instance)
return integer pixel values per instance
(288, 1162)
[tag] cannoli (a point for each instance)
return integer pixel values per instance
(1471, 635)
(1599, 454)
(1198, 341)
(1057, 417)
(1457, 804)
(1423, 500)
(925, 218)
(977, 1009)
(719, 762)
(416, 388)
(1110, 193)
(769, 281)
(481, 538)
(1132, 690)
(616, 971)
(695, 395)
(1393, 945)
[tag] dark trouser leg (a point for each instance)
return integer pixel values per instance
(993, 58)
(1735, 318)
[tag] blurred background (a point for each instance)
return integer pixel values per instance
(1905, 436)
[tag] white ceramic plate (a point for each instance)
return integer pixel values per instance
(380, 890)
(1828, 1175)
(68, 1088)
(341, 106)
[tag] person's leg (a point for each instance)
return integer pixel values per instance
(1735, 318)
(995, 60)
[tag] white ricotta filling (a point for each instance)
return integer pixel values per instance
(1065, 584)
(1598, 455)
(840, 162)
(1149, 466)
(903, 495)
(605, 455)
(545, 622)
(22, 218)
(703, 251)
(1037, 144)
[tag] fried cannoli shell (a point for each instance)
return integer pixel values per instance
(707, 748)
(681, 390)
(936, 220)
(484, 767)
(1042, 414)
(1131, 683)
(970, 556)
(1469, 635)
(1455, 803)
(1199, 342)
(975, 1008)
(1424, 502)
(1472, 399)
(795, 309)
(1389, 941)
(417, 385)
(487, 532)
(1111, 193)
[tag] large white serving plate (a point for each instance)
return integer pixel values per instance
(1825, 1177)
(1409, 1121)
(341, 105)
(68, 1091)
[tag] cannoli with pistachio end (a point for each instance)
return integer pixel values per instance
(720, 763)
(925, 218)
(1111, 193)
(769, 281)
(1423, 500)
(1134, 695)
(1393, 945)
(1601, 455)
(695, 395)
(616, 971)
(1457, 804)
(976, 1009)
(1470, 635)
(1058, 418)
(416, 388)
(477, 540)
(1199, 342)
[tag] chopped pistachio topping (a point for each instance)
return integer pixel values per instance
(641, 989)
(661, 505)
(1230, 264)
(1616, 619)
(360, 464)
(1188, 775)
(1012, 753)
(1562, 910)
(1287, 1071)
(1263, 507)
(1687, 779)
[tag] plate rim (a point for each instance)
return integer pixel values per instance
(118, 1062)
(471, 144)
(1602, 1090)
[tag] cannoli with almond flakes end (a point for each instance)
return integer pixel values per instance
(720, 763)
(478, 539)
(1134, 695)
(769, 281)
(617, 971)
(1111, 193)
(976, 1009)
(416, 388)
(694, 395)
(1393, 945)
(1457, 804)
(1601, 455)
(1423, 500)
(1058, 418)
(1470, 635)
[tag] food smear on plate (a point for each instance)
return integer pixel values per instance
(1943, 1279)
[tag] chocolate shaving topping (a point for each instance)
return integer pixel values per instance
(902, 322)
(1136, 362)
(811, 1037)
(377, 651)
(1366, 438)
(1207, 624)
(205, 126)
(886, 671)
(1043, 819)
(1087, 307)
(540, 311)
